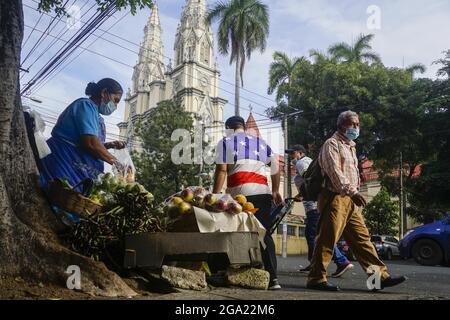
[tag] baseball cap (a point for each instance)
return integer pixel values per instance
(296, 147)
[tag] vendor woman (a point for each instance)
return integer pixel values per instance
(77, 144)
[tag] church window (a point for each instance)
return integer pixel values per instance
(180, 54)
(204, 53)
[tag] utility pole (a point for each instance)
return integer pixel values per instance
(198, 148)
(402, 226)
(287, 177)
(286, 184)
(286, 158)
(200, 178)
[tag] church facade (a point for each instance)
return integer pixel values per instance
(191, 77)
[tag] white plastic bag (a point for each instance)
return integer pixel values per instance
(126, 172)
(39, 128)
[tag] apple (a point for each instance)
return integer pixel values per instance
(241, 199)
(184, 208)
(198, 201)
(177, 200)
(234, 208)
(210, 199)
(221, 205)
(187, 195)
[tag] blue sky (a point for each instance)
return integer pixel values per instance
(411, 31)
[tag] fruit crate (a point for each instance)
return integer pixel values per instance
(152, 250)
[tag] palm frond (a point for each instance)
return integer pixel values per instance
(416, 68)
(341, 51)
(363, 43)
(370, 57)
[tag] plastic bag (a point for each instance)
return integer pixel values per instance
(126, 171)
(39, 128)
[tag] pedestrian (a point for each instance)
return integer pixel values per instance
(243, 159)
(340, 204)
(301, 163)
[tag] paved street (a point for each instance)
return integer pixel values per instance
(423, 283)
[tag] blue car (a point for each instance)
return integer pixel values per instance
(429, 244)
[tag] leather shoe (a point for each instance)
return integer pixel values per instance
(323, 286)
(392, 281)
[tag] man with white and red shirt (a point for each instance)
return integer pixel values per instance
(243, 159)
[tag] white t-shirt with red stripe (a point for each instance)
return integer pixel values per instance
(247, 158)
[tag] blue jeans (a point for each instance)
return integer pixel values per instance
(312, 220)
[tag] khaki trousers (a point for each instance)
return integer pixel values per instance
(339, 216)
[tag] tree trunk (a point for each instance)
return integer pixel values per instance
(29, 246)
(237, 85)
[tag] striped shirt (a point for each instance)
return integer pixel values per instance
(338, 160)
(247, 158)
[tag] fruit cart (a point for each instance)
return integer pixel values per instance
(219, 249)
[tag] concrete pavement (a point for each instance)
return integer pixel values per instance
(424, 283)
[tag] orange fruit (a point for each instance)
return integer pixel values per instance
(248, 206)
(241, 199)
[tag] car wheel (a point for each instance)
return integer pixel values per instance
(389, 255)
(427, 252)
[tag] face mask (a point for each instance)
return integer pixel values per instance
(107, 108)
(294, 162)
(352, 133)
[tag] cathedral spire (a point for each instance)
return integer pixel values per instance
(194, 38)
(150, 64)
(154, 16)
(153, 47)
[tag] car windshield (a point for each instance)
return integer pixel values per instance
(375, 238)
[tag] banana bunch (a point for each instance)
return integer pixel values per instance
(128, 209)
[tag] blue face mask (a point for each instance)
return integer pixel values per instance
(107, 108)
(352, 133)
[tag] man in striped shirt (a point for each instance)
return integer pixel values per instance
(243, 159)
(340, 205)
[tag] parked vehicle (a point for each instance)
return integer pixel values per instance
(429, 244)
(386, 246)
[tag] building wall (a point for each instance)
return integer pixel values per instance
(296, 244)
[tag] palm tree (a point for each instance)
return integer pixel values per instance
(281, 74)
(445, 63)
(359, 52)
(320, 57)
(416, 68)
(243, 28)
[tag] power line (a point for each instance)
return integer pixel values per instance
(29, 35)
(50, 77)
(42, 37)
(146, 49)
(125, 64)
(61, 31)
(71, 46)
(66, 104)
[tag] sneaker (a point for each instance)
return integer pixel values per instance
(306, 269)
(274, 285)
(341, 270)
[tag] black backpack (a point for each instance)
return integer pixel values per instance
(312, 182)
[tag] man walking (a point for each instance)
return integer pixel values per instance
(339, 204)
(301, 163)
(242, 159)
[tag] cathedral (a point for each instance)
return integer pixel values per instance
(191, 77)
